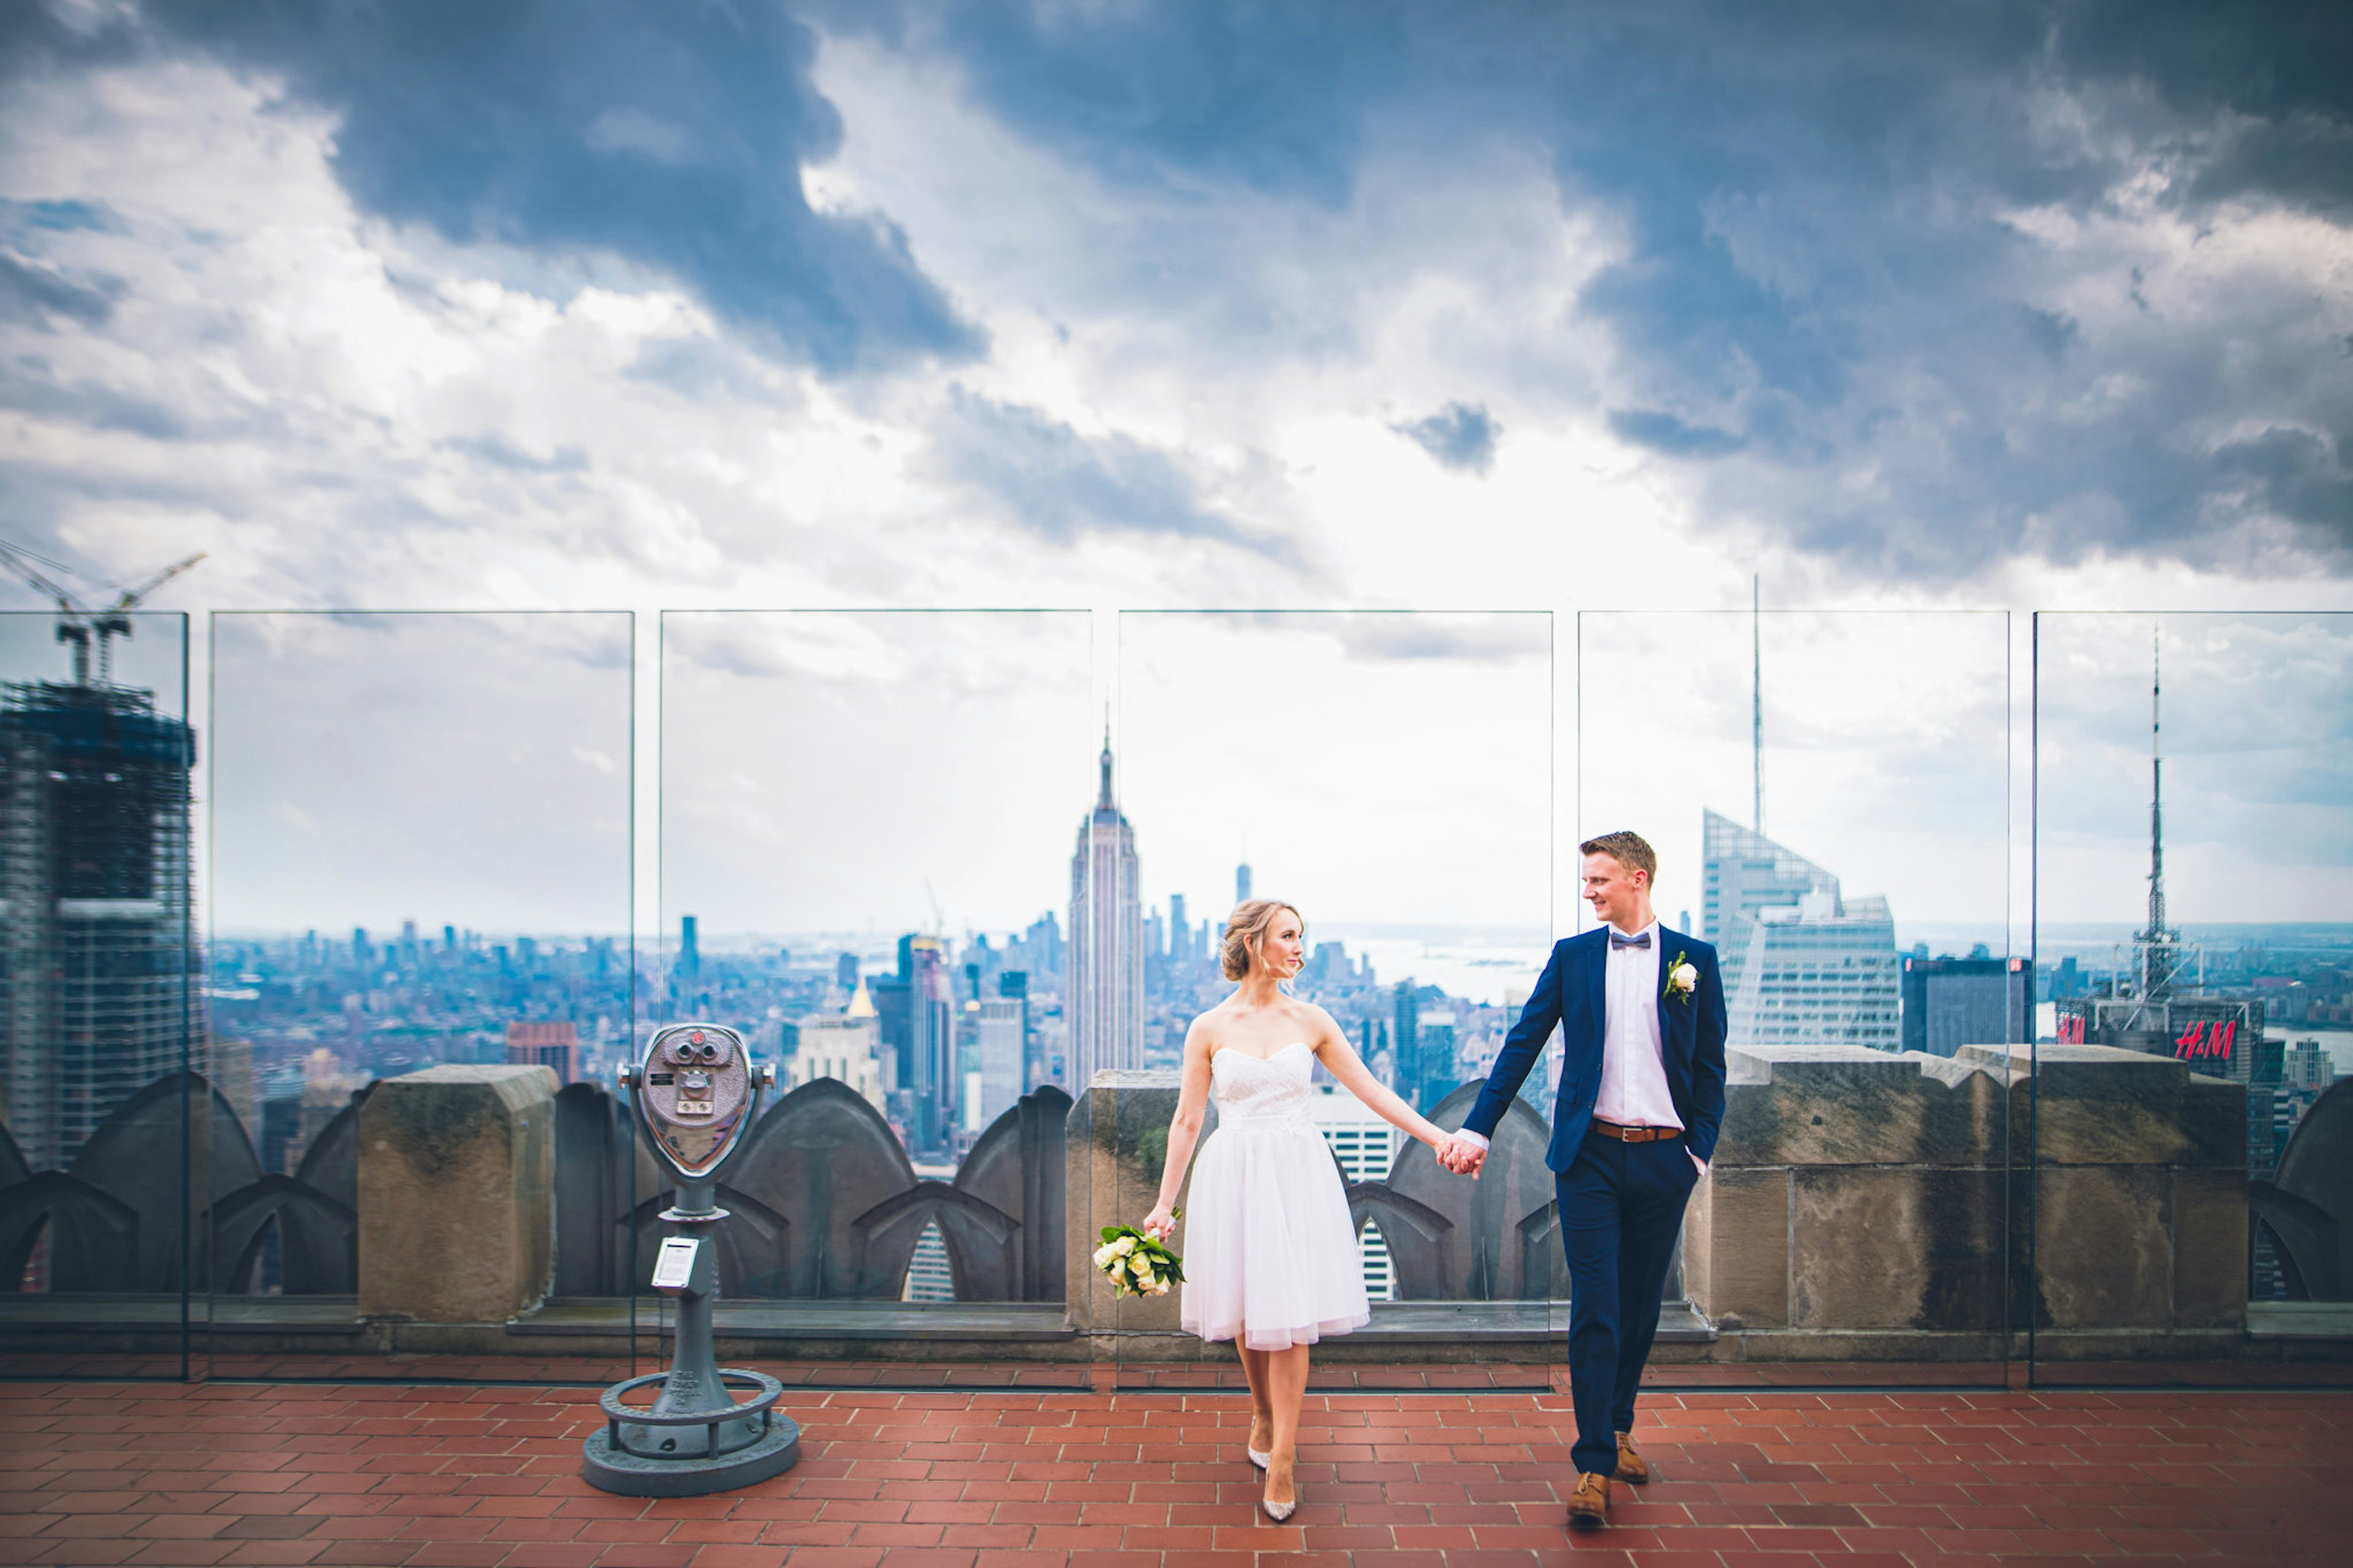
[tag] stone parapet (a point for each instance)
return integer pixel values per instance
(2139, 1199)
(1859, 1195)
(1115, 1141)
(1853, 1192)
(456, 1214)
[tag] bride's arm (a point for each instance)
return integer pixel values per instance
(1183, 1132)
(1340, 1059)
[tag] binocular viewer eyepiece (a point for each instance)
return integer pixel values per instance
(696, 1094)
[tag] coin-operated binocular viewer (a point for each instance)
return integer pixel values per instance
(695, 1096)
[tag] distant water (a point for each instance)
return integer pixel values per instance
(2095, 943)
(2089, 941)
(1478, 964)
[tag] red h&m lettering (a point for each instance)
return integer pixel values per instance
(2192, 1042)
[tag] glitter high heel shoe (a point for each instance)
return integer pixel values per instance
(1279, 1512)
(1257, 1459)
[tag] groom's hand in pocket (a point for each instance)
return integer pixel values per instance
(1698, 1161)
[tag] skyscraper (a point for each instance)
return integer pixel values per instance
(1242, 883)
(1949, 1003)
(931, 1029)
(1801, 964)
(1106, 957)
(96, 960)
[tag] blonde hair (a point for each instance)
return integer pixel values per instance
(1247, 924)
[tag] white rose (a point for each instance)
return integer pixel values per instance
(1685, 976)
(1123, 1246)
(1103, 1255)
(1161, 1289)
(1140, 1266)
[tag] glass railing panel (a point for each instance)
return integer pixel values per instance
(103, 1065)
(421, 976)
(1392, 774)
(2193, 1148)
(1827, 796)
(866, 853)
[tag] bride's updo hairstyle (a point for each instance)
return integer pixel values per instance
(1245, 927)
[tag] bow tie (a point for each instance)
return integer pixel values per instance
(1619, 939)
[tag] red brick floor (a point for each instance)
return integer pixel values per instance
(268, 1474)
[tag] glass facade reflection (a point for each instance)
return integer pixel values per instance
(421, 967)
(1391, 774)
(868, 871)
(2194, 923)
(102, 1063)
(2033, 942)
(1828, 797)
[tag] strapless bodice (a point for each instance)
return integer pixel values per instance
(1263, 1091)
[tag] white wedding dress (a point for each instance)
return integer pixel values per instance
(1270, 1253)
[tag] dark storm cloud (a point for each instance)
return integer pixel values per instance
(1460, 435)
(1825, 274)
(669, 137)
(30, 293)
(1062, 484)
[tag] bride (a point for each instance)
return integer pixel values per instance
(1271, 1254)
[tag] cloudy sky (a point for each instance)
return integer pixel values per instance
(1118, 306)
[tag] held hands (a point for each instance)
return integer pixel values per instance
(1462, 1159)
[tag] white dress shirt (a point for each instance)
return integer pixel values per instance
(1633, 1091)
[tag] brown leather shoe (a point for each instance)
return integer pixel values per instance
(1632, 1466)
(1588, 1505)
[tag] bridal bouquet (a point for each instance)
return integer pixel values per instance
(1136, 1264)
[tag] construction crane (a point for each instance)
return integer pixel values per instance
(84, 629)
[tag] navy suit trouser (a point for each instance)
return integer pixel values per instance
(1621, 1207)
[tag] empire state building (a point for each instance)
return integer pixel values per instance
(1106, 1001)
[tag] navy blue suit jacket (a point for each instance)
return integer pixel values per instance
(1572, 994)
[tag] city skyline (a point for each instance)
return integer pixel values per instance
(382, 829)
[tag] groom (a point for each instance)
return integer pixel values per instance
(1642, 1096)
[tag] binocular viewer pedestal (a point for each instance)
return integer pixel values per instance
(695, 1095)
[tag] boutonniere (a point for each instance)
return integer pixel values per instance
(1683, 979)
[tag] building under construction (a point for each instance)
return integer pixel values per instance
(97, 961)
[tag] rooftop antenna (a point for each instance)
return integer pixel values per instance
(1757, 700)
(2159, 946)
(1103, 801)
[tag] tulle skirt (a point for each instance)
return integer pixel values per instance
(1270, 1253)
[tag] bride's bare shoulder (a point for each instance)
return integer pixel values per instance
(1316, 1025)
(1208, 1027)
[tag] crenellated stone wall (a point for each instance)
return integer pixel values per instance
(1862, 1206)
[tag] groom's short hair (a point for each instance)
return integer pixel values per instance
(1630, 850)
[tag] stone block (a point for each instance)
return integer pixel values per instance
(2097, 1105)
(1737, 1247)
(2103, 1246)
(1844, 1105)
(1896, 1247)
(457, 1215)
(2209, 1249)
(1114, 1143)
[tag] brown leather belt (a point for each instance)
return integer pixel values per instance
(1634, 1134)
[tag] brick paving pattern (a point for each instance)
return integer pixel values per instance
(425, 1476)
